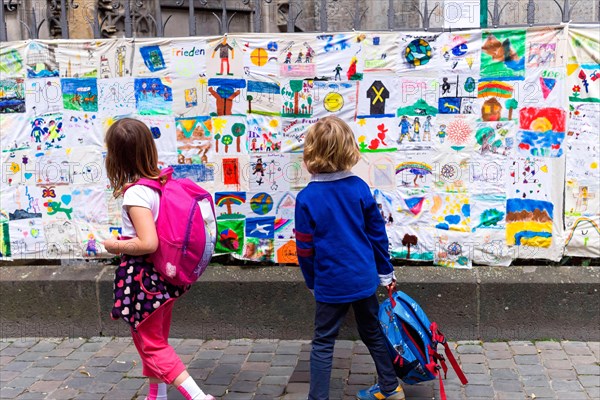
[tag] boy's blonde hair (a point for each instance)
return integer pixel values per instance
(330, 146)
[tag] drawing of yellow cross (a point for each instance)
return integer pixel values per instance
(377, 94)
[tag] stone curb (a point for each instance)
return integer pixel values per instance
(487, 303)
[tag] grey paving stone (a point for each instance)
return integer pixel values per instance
(507, 386)
(479, 379)
(284, 360)
(561, 385)
(17, 366)
(587, 369)
(588, 381)
(527, 370)
(498, 355)
(495, 346)
(539, 392)
(593, 392)
(48, 362)
(209, 354)
(469, 349)
(571, 396)
(479, 391)
(509, 395)
(252, 376)
(504, 373)
(474, 368)
(535, 381)
(130, 383)
(583, 359)
(10, 392)
(501, 364)
(576, 348)
(271, 390)
(260, 356)
(547, 344)
(21, 382)
(472, 359)
(527, 359)
(557, 364)
(553, 355)
(273, 380)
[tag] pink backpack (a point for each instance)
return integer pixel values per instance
(185, 241)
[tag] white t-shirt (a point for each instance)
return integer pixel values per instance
(141, 196)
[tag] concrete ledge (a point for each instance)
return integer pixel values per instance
(272, 302)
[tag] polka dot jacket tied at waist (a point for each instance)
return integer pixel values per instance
(139, 290)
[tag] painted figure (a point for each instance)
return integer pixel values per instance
(404, 128)
(337, 71)
(224, 48)
(416, 130)
(442, 133)
(90, 248)
(427, 129)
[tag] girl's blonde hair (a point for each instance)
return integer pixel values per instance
(330, 146)
(131, 154)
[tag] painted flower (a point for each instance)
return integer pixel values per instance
(14, 168)
(576, 88)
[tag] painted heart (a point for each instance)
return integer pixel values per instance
(126, 301)
(154, 277)
(35, 232)
(138, 306)
(120, 284)
(130, 270)
(127, 290)
(141, 296)
(128, 280)
(28, 175)
(25, 233)
(118, 303)
(156, 304)
(125, 311)
(66, 199)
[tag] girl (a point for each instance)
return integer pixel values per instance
(342, 271)
(142, 297)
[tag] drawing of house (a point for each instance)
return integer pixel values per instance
(491, 110)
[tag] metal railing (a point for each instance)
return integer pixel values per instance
(134, 14)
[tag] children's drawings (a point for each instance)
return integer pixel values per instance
(479, 146)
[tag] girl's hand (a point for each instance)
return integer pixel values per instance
(111, 245)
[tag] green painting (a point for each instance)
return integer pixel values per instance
(503, 54)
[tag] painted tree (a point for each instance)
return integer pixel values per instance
(309, 101)
(249, 98)
(296, 86)
(409, 240)
(227, 140)
(217, 138)
(511, 104)
(238, 129)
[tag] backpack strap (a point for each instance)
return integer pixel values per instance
(438, 337)
(153, 183)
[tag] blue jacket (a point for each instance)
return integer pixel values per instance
(341, 241)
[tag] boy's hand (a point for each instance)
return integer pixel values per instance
(392, 286)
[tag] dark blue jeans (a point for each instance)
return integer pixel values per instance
(328, 319)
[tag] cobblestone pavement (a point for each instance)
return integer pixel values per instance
(109, 368)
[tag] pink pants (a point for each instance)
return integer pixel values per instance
(151, 340)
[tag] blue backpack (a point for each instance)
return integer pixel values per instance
(412, 342)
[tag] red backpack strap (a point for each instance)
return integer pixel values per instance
(438, 337)
(457, 369)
